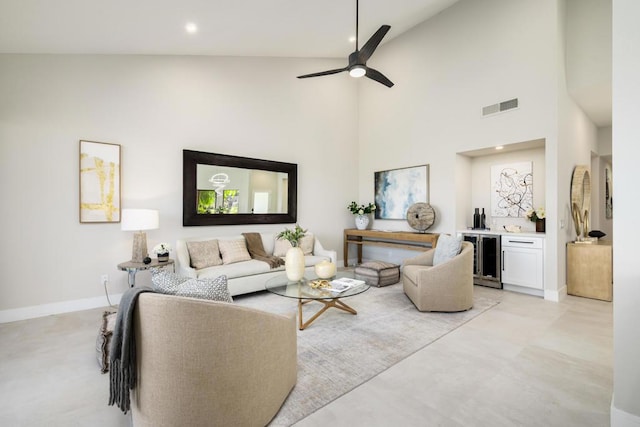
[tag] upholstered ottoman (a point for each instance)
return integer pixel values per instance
(378, 273)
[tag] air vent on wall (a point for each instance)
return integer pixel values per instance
(500, 107)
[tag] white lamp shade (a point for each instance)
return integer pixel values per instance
(139, 219)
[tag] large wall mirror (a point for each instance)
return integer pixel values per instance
(225, 190)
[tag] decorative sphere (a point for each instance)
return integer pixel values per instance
(325, 269)
(146, 260)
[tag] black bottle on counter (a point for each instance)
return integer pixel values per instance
(483, 220)
(476, 218)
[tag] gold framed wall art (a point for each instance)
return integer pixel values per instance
(100, 165)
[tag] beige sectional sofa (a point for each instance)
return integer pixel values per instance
(241, 367)
(247, 275)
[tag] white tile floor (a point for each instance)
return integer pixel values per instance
(526, 362)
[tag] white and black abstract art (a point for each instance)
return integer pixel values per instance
(511, 189)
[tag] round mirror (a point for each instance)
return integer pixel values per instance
(581, 199)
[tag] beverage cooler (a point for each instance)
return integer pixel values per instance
(486, 260)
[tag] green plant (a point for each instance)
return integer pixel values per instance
(293, 236)
(361, 209)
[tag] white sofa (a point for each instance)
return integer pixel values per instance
(245, 276)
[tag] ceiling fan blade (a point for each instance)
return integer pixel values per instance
(378, 76)
(323, 73)
(371, 44)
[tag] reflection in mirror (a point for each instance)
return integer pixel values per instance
(230, 190)
(220, 189)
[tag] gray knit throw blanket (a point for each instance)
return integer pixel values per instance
(122, 357)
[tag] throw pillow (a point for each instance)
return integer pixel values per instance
(204, 254)
(306, 243)
(161, 278)
(211, 289)
(103, 342)
(281, 247)
(446, 248)
(233, 251)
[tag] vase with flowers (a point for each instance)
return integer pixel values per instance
(294, 258)
(162, 251)
(538, 216)
(362, 213)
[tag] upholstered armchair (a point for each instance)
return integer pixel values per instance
(207, 363)
(447, 286)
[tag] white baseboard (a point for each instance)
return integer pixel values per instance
(555, 296)
(620, 418)
(35, 311)
(523, 290)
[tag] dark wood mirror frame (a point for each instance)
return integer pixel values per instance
(190, 217)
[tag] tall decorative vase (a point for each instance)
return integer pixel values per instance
(540, 223)
(362, 221)
(294, 264)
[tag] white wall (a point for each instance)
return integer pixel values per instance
(480, 183)
(577, 140)
(471, 55)
(154, 107)
(625, 407)
(588, 59)
(605, 142)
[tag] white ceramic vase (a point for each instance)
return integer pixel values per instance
(325, 269)
(362, 221)
(294, 264)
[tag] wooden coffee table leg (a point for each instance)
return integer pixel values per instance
(342, 306)
(327, 304)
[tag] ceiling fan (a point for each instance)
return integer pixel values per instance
(358, 60)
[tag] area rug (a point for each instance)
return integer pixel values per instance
(340, 351)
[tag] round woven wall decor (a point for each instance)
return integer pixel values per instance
(421, 216)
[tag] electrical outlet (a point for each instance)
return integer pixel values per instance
(104, 279)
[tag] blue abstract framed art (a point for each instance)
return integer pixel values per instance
(397, 189)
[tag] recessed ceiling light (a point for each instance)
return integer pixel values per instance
(191, 27)
(499, 147)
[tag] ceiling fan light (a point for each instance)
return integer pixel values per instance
(357, 71)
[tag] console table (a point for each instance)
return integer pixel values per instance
(590, 270)
(395, 239)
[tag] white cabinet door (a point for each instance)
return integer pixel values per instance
(522, 267)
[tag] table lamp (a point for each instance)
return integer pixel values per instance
(138, 220)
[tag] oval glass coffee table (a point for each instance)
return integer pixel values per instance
(305, 293)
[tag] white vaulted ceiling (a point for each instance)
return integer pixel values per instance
(274, 28)
(281, 28)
